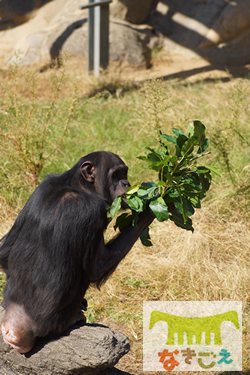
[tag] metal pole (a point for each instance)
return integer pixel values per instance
(98, 38)
(91, 38)
(104, 36)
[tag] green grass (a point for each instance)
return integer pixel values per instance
(211, 264)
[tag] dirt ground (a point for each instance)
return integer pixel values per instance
(176, 68)
(184, 69)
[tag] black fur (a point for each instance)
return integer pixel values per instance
(55, 248)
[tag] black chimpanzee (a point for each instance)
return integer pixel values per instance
(56, 248)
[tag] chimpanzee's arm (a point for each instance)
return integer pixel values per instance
(110, 255)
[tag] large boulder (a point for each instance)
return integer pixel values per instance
(28, 38)
(127, 44)
(82, 349)
(18, 10)
(233, 21)
(57, 29)
(235, 52)
(130, 10)
(191, 27)
(212, 29)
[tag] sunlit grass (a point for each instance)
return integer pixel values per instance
(213, 263)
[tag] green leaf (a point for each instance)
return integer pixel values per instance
(145, 238)
(213, 169)
(193, 179)
(173, 160)
(166, 176)
(199, 134)
(115, 207)
(177, 218)
(188, 146)
(135, 203)
(178, 132)
(159, 209)
(132, 189)
(190, 188)
(162, 183)
(206, 182)
(156, 166)
(153, 157)
(158, 154)
(202, 170)
(191, 131)
(149, 184)
(152, 192)
(144, 158)
(180, 140)
(205, 145)
(182, 205)
(196, 203)
(169, 138)
(173, 194)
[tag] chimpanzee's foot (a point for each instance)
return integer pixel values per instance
(16, 329)
(79, 317)
(84, 304)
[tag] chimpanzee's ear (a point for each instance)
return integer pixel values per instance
(88, 171)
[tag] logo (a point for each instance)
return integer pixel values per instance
(192, 336)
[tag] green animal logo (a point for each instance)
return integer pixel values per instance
(194, 326)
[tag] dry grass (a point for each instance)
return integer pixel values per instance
(213, 263)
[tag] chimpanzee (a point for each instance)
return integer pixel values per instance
(56, 248)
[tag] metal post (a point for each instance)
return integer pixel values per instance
(91, 38)
(104, 36)
(98, 38)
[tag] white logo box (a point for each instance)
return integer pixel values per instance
(192, 336)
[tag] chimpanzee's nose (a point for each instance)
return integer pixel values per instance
(125, 183)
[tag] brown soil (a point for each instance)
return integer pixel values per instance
(176, 68)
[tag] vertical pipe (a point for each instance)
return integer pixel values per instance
(98, 38)
(104, 36)
(91, 21)
(97, 41)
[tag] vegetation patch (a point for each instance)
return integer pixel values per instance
(41, 134)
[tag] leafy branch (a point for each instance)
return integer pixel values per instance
(182, 184)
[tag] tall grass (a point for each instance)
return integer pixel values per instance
(211, 264)
(31, 132)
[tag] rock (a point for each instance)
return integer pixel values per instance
(235, 52)
(179, 26)
(127, 43)
(19, 11)
(234, 20)
(82, 349)
(187, 25)
(131, 10)
(43, 38)
(17, 38)
(186, 22)
(130, 44)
